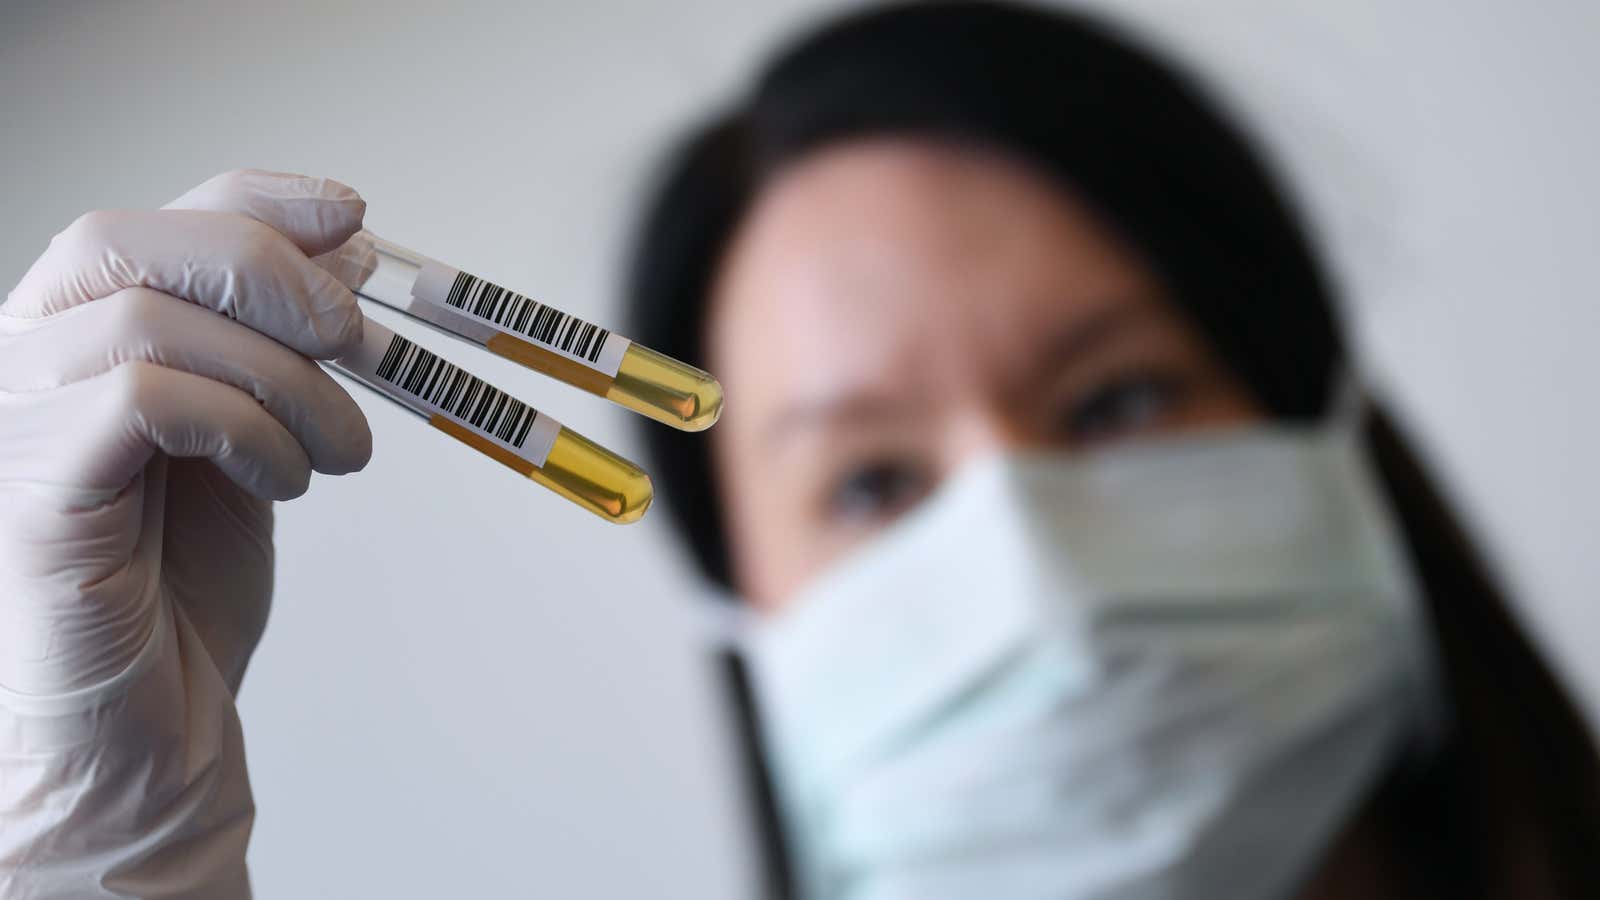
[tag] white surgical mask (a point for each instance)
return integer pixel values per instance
(1170, 671)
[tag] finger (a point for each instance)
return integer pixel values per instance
(228, 263)
(146, 325)
(353, 263)
(316, 214)
(99, 433)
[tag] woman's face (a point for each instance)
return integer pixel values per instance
(893, 309)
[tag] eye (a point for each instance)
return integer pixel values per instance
(875, 491)
(1123, 406)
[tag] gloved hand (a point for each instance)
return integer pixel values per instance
(157, 391)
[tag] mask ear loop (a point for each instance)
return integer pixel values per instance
(1349, 403)
(724, 621)
(1350, 407)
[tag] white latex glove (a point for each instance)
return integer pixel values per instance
(156, 393)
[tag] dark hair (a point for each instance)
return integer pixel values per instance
(1085, 106)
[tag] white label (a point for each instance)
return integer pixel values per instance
(427, 383)
(520, 316)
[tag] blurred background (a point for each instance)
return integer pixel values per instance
(526, 707)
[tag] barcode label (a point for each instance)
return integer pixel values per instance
(522, 316)
(429, 383)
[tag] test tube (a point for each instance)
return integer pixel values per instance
(543, 338)
(498, 425)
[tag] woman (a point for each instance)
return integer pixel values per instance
(937, 236)
(1071, 577)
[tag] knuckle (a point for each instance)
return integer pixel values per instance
(120, 408)
(88, 232)
(136, 313)
(235, 177)
(135, 386)
(224, 185)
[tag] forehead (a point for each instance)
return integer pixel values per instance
(905, 265)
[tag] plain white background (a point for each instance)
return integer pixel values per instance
(471, 689)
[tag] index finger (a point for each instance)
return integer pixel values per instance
(316, 214)
(235, 265)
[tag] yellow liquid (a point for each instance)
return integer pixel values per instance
(647, 382)
(577, 468)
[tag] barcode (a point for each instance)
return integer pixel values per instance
(472, 400)
(526, 316)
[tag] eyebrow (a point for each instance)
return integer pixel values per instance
(1062, 350)
(1082, 338)
(845, 409)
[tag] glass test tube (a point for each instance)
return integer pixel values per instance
(498, 425)
(543, 338)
